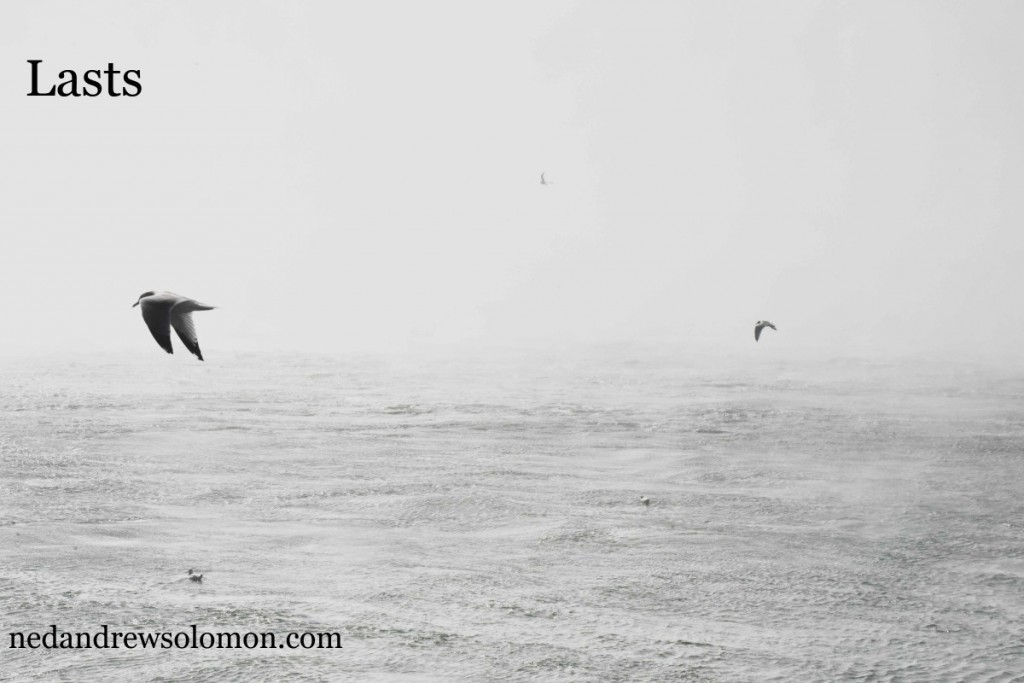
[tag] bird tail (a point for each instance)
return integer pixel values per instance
(196, 306)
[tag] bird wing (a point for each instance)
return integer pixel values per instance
(772, 326)
(158, 319)
(182, 323)
(757, 331)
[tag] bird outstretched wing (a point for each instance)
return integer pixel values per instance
(158, 320)
(182, 323)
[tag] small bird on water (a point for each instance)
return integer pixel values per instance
(645, 501)
(193, 577)
(760, 325)
(164, 310)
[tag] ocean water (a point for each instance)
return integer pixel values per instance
(478, 518)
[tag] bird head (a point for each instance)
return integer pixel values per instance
(141, 297)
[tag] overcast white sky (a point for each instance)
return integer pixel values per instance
(341, 176)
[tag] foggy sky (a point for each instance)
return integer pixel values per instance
(340, 176)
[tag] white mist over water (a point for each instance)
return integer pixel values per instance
(479, 519)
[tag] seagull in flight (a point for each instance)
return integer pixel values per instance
(544, 182)
(164, 310)
(760, 325)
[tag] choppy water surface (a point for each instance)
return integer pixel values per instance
(478, 519)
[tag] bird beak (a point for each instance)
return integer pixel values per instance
(135, 304)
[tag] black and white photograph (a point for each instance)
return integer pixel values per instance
(549, 340)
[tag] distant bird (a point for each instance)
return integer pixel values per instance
(544, 182)
(164, 310)
(193, 577)
(760, 325)
(645, 501)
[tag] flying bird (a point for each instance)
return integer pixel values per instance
(544, 182)
(164, 310)
(760, 325)
(192, 576)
